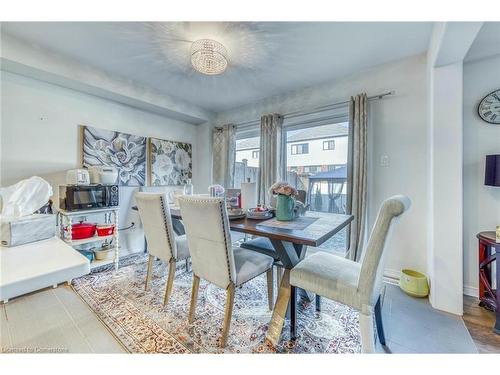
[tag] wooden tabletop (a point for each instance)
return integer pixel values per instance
(316, 233)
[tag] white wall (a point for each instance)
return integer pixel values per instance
(445, 194)
(481, 203)
(448, 47)
(398, 130)
(40, 135)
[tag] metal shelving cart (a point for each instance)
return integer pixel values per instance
(66, 220)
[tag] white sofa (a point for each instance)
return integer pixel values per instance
(30, 267)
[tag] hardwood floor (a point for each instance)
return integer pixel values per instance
(479, 322)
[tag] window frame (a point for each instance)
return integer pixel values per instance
(254, 153)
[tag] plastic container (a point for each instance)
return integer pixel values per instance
(414, 283)
(82, 230)
(104, 254)
(105, 230)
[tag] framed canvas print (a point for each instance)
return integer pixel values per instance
(171, 162)
(123, 151)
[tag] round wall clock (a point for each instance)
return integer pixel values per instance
(489, 108)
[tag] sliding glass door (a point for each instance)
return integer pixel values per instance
(316, 163)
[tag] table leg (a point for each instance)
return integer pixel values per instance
(497, 323)
(482, 257)
(290, 255)
(287, 253)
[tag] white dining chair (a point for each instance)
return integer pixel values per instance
(162, 241)
(213, 256)
(357, 285)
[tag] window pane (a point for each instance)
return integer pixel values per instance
(329, 145)
(323, 175)
(247, 160)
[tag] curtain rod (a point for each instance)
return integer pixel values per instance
(318, 109)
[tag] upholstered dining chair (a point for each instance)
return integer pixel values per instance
(214, 258)
(162, 241)
(357, 285)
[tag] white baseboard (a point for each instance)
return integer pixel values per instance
(471, 291)
(392, 276)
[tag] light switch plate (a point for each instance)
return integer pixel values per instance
(384, 161)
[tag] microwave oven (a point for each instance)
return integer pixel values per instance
(86, 197)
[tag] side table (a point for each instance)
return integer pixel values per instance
(488, 253)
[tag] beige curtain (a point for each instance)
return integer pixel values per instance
(357, 173)
(224, 153)
(271, 155)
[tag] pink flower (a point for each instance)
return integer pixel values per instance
(283, 188)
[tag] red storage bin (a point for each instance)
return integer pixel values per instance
(105, 230)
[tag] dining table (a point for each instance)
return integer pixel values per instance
(289, 239)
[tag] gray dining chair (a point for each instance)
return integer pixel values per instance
(162, 242)
(213, 256)
(357, 285)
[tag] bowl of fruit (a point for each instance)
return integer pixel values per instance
(259, 213)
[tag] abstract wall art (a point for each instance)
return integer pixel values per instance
(123, 151)
(171, 162)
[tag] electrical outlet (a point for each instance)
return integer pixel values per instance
(384, 161)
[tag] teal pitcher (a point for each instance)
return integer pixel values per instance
(284, 208)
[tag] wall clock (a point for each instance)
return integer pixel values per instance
(489, 107)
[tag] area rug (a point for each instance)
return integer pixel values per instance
(138, 319)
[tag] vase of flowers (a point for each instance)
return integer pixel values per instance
(285, 200)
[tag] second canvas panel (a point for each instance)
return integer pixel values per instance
(171, 162)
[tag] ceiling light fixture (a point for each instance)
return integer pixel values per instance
(208, 57)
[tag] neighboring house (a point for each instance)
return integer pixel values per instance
(309, 150)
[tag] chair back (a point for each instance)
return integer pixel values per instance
(209, 240)
(157, 223)
(373, 264)
(302, 195)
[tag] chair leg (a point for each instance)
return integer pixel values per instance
(293, 313)
(379, 323)
(279, 312)
(227, 314)
(170, 281)
(270, 288)
(149, 272)
(367, 333)
(194, 298)
(318, 303)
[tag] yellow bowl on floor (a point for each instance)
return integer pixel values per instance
(414, 283)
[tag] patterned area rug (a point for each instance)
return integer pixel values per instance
(142, 324)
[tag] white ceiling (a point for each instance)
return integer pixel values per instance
(266, 58)
(486, 44)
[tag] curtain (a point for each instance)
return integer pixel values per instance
(357, 173)
(224, 154)
(271, 157)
